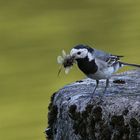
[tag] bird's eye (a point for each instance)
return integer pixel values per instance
(78, 53)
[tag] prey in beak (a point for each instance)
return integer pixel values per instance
(66, 61)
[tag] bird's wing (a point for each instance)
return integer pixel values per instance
(107, 57)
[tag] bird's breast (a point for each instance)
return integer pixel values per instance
(86, 66)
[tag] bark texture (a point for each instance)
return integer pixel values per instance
(74, 115)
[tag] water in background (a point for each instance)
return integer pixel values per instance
(32, 35)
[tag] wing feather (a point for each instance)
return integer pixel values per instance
(107, 57)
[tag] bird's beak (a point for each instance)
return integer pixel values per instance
(73, 57)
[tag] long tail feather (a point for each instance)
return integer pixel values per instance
(128, 64)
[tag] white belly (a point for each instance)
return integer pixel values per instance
(104, 73)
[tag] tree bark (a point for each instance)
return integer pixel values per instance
(74, 114)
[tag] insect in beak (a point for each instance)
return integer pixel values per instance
(65, 61)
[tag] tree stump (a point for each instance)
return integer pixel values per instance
(74, 115)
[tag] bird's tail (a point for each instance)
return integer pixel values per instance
(129, 64)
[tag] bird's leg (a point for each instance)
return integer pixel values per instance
(107, 84)
(101, 96)
(97, 83)
(92, 95)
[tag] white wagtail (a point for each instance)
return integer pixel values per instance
(97, 64)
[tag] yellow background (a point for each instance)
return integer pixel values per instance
(32, 35)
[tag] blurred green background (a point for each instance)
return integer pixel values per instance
(32, 35)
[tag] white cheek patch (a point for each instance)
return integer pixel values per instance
(83, 55)
(90, 56)
(75, 51)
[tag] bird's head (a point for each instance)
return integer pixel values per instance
(81, 52)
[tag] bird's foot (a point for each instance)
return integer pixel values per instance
(92, 94)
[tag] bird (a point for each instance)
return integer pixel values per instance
(97, 64)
